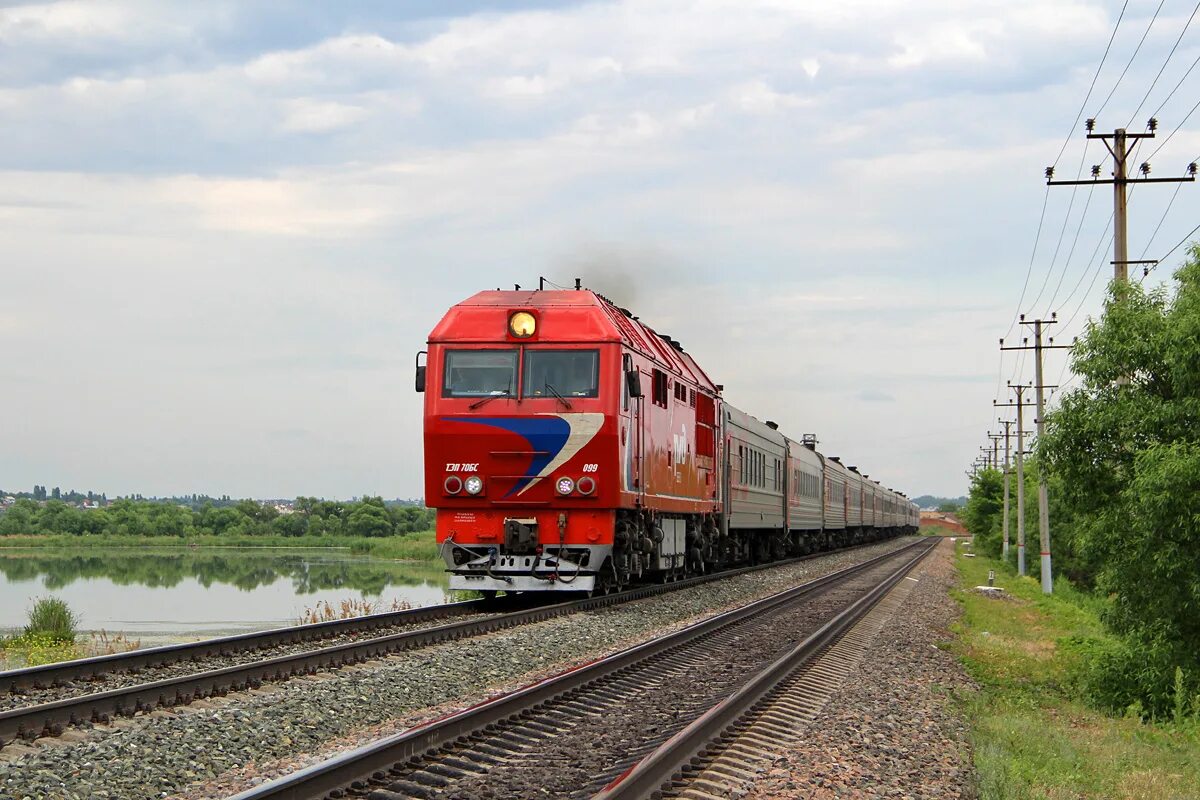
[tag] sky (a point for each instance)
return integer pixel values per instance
(227, 227)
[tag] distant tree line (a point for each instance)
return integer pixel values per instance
(1121, 455)
(368, 516)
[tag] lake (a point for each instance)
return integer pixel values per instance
(166, 594)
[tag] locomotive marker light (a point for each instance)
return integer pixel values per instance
(565, 485)
(586, 485)
(522, 324)
(453, 484)
(473, 484)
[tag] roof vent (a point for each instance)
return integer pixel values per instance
(809, 440)
(773, 425)
(671, 342)
(838, 459)
(852, 469)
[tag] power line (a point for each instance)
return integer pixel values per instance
(1128, 64)
(1088, 96)
(1029, 271)
(1172, 133)
(1154, 82)
(1063, 230)
(1074, 242)
(1086, 292)
(1161, 220)
(1178, 245)
(1095, 253)
(1176, 89)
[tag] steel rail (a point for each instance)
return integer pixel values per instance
(355, 768)
(691, 745)
(52, 717)
(47, 675)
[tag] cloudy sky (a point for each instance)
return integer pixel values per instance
(225, 228)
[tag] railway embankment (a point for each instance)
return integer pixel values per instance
(895, 728)
(225, 744)
(1031, 732)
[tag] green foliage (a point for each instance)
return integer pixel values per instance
(369, 517)
(1124, 455)
(949, 507)
(35, 649)
(982, 514)
(53, 618)
(1031, 735)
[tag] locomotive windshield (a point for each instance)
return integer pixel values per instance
(480, 373)
(561, 373)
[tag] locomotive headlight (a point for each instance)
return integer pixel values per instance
(565, 486)
(473, 484)
(522, 324)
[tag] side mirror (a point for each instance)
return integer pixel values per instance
(633, 380)
(420, 380)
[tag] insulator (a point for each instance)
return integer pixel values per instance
(1090, 124)
(1152, 125)
(1192, 169)
(1095, 170)
(1145, 168)
(1049, 173)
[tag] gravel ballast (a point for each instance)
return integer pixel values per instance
(218, 747)
(891, 730)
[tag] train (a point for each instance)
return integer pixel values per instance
(569, 447)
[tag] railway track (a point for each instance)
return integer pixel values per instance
(612, 726)
(46, 700)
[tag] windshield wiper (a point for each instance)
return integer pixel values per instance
(489, 398)
(561, 399)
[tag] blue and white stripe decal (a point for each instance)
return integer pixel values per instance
(556, 437)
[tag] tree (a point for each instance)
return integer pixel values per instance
(949, 507)
(369, 519)
(1125, 449)
(983, 512)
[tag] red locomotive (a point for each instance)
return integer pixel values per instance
(569, 447)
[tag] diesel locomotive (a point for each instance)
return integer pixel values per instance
(570, 447)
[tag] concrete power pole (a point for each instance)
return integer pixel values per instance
(1043, 499)
(1007, 423)
(1040, 386)
(1121, 147)
(1020, 405)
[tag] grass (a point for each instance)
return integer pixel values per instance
(1032, 738)
(325, 611)
(412, 547)
(50, 636)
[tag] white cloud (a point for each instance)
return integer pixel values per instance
(306, 115)
(822, 200)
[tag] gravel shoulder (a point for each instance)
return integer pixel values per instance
(892, 729)
(215, 748)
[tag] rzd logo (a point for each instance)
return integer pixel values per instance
(679, 445)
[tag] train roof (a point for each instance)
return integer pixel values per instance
(586, 316)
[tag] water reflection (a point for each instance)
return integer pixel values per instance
(307, 571)
(210, 589)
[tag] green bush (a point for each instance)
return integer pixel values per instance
(53, 618)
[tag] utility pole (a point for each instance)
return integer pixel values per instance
(1121, 147)
(1020, 405)
(1007, 423)
(1040, 387)
(995, 437)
